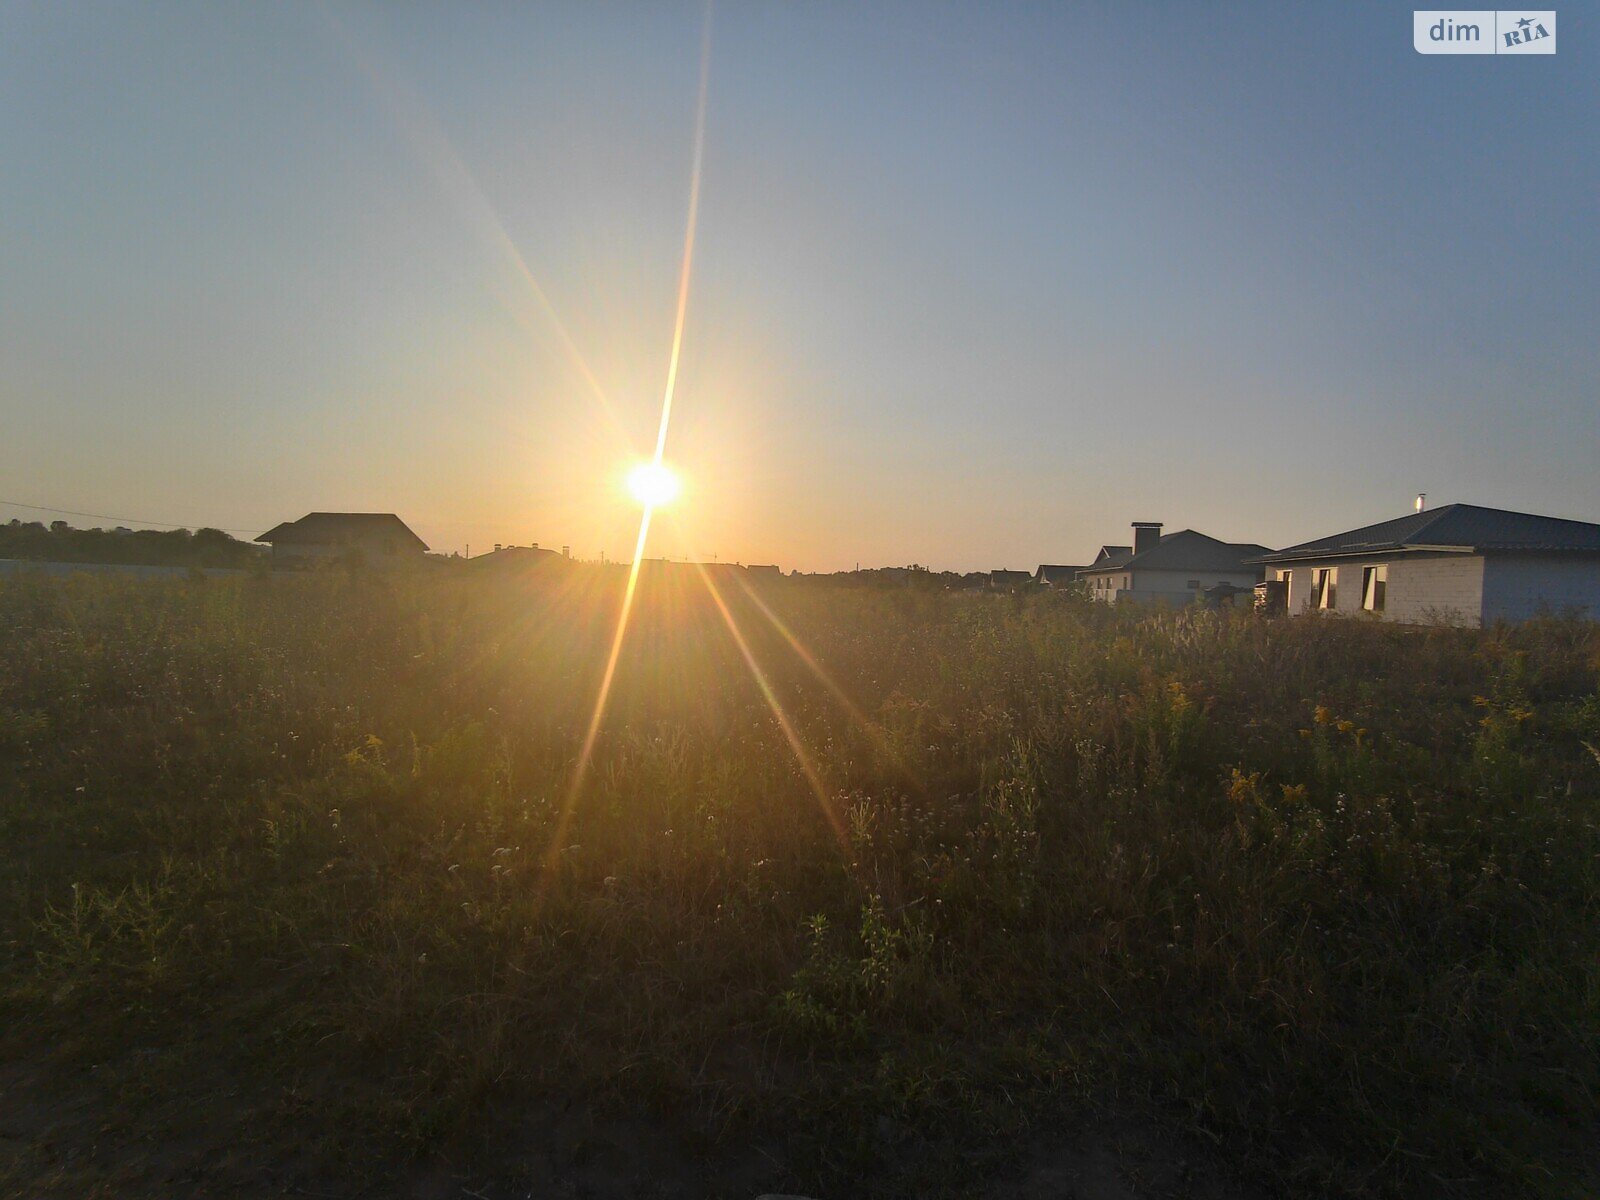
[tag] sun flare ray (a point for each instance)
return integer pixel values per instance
(656, 489)
(791, 735)
(427, 140)
(592, 733)
(871, 728)
(686, 269)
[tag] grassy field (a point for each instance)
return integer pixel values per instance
(296, 893)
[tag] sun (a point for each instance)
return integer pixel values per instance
(653, 484)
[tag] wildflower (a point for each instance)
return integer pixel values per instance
(1323, 716)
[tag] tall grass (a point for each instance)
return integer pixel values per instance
(1323, 891)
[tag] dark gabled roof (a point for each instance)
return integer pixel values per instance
(1186, 551)
(1110, 557)
(332, 529)
(1051, 572)
(1457, 527)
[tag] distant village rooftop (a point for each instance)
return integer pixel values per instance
(1177, 568)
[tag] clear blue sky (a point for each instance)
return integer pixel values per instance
(975, 285)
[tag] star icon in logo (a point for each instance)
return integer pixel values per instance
(1525, 22)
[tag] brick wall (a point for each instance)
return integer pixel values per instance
(1421, 588)
(1446, 588)
(1519, 586)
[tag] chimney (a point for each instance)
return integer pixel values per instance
(1145, 535)
(533, 545)
(497, 546)
(566, 552)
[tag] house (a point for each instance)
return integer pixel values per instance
(516, 559)
(1001, 578)
(377, 539)
(1177, 568)
(1053, 575)
(717, 571)
(1114, 556)
(1460, 564)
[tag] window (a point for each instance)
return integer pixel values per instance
(1374, 583)
(1324, 587)
(1193, 585)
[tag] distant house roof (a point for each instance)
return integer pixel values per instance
(1001, 575)
(1184, 551)
(515, 556)
(1110, 557)
(1454, 527)
(1055, 573)
(334, 529)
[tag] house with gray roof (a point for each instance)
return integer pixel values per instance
(376, 539)
(1175, 568)
(1057, 575)
(1115, 556)
(1004, 579)
(1459, 564)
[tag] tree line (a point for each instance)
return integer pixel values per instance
(61, 542)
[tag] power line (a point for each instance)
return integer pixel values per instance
(72, 512)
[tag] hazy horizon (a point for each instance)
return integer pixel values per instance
(970, 290)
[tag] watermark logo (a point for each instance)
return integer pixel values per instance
(1528, 31)
(1484, 31)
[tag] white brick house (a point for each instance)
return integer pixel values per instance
(1176, 569)
(1459, 564)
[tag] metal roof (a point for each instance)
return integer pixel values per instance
(1050, 572)
(1454, 527)
(1184, 551)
